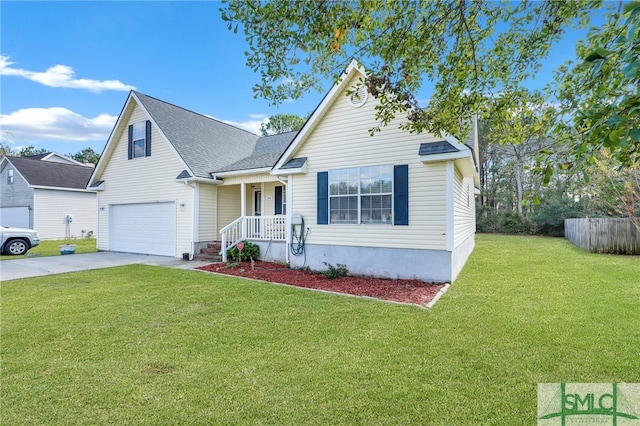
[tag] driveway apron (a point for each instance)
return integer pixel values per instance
(39, 266)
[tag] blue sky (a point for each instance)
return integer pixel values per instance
(180, 52)
(66, 68)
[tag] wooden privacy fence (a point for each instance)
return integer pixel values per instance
(603, 235)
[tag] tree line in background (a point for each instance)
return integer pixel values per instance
(515, 199)
(87, 155)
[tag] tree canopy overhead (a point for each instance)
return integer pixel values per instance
(471, 51)
(600, 94)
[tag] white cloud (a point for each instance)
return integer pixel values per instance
(55, 124)
(61, 76)
(252, 125)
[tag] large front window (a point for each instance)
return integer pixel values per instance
(361, 195)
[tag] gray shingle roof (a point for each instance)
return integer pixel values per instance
(205, 144)
(266, 153)
(49, 173)
(440, 147)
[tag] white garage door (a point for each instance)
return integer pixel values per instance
(17, 217)
(143, 228)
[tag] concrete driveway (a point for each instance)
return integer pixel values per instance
(38, 266)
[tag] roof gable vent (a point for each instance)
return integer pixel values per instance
(359, 97)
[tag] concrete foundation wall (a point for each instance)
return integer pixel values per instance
(461, 254)
(272, 251)
(425, 265)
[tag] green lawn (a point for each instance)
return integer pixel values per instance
(148, 345)
(52, 248)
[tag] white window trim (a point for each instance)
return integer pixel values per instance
(143, 124)
(359, 196)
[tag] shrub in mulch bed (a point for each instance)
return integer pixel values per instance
(405, 291)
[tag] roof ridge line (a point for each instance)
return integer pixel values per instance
(193, 112)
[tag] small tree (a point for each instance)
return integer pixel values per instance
(282, 123)
(87, 154)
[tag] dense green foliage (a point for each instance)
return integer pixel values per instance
(600, 95)
(334, 272)
(149, 345)
(87, 154)
(476, 53)
(30, 151)
(282, 123)
(250, 251)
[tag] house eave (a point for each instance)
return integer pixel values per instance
(462, 159)
(214, 181)
(233, 173)
(60, 188)
(446, 156)
(292, 171)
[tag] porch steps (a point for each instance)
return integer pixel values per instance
(211, 253)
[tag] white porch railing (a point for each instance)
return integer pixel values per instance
(270, 228)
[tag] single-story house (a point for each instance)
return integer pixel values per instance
(47, 192)
(396, 204)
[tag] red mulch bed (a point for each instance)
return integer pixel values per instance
(405, 291)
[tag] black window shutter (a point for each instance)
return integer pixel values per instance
(323, 198)
(401, 194)
(278, 198)
(148, 139)
(130, 149)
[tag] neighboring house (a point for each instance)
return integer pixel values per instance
(395, 204)
(47, 192)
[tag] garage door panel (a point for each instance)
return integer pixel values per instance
(143, 228)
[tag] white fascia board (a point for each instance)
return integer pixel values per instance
(462, 159)
(295, 171)
(100, 187)
(200, 180)
(58, 188)
(64, 157)
(446, 156)
(319, 112)
(243, 172)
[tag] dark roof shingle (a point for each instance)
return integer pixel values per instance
(266, 153)
(441, 147)
(53, 174)
(205, 144)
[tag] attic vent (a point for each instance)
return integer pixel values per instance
(359, 97)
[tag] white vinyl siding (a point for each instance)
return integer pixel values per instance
(341, 140)
(146, 180)
(269, 197)
(464, 208)
(53, 206)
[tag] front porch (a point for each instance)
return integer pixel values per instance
(257, 229)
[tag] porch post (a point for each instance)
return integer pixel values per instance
(243, 208)
(287, 232)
